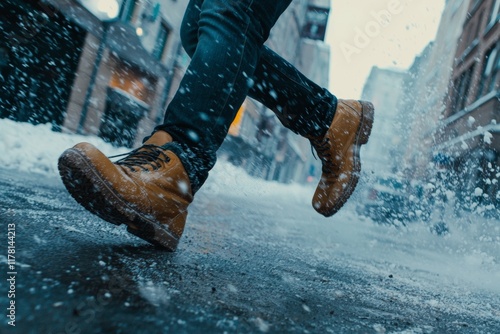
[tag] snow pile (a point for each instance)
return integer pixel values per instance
(35, 149)
(233, 180)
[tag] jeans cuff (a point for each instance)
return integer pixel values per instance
(195, 168)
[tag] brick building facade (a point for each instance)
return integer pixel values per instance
(426, 90)
(468, 138)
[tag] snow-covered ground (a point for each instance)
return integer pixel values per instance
(467, 259)
(31, 148)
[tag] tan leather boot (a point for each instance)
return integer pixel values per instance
(339, 153)
(149, 190)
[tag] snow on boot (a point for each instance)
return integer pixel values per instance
(339, 153)
(148, 190)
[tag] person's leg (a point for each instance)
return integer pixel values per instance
(190, 26)
(230, 38)
(300, 104)
(151, 188)
(336, 128)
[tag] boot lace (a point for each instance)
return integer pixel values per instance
(323, 148)
(146, 155)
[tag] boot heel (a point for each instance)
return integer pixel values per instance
(157, 234)
(367, 115)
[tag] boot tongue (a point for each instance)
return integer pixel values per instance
(159, 138)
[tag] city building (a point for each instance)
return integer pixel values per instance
(468, 137)
(412, 103)
(384, 88)
(87, 68)
(426, 90)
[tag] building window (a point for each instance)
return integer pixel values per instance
(133, 81)
(161, 41)
(128, 10)
(495, 13)
(316, 21)
(491, 71)
(462, 88)
(473, 30)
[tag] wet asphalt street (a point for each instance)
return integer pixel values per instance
(243, 266)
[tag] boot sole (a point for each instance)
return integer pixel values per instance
(362, 136)
(88, 188)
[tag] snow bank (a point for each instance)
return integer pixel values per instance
(35, 149)
(236, 182)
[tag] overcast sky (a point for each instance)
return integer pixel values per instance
(361, 34)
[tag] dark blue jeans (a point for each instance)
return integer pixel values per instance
(225, 40)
